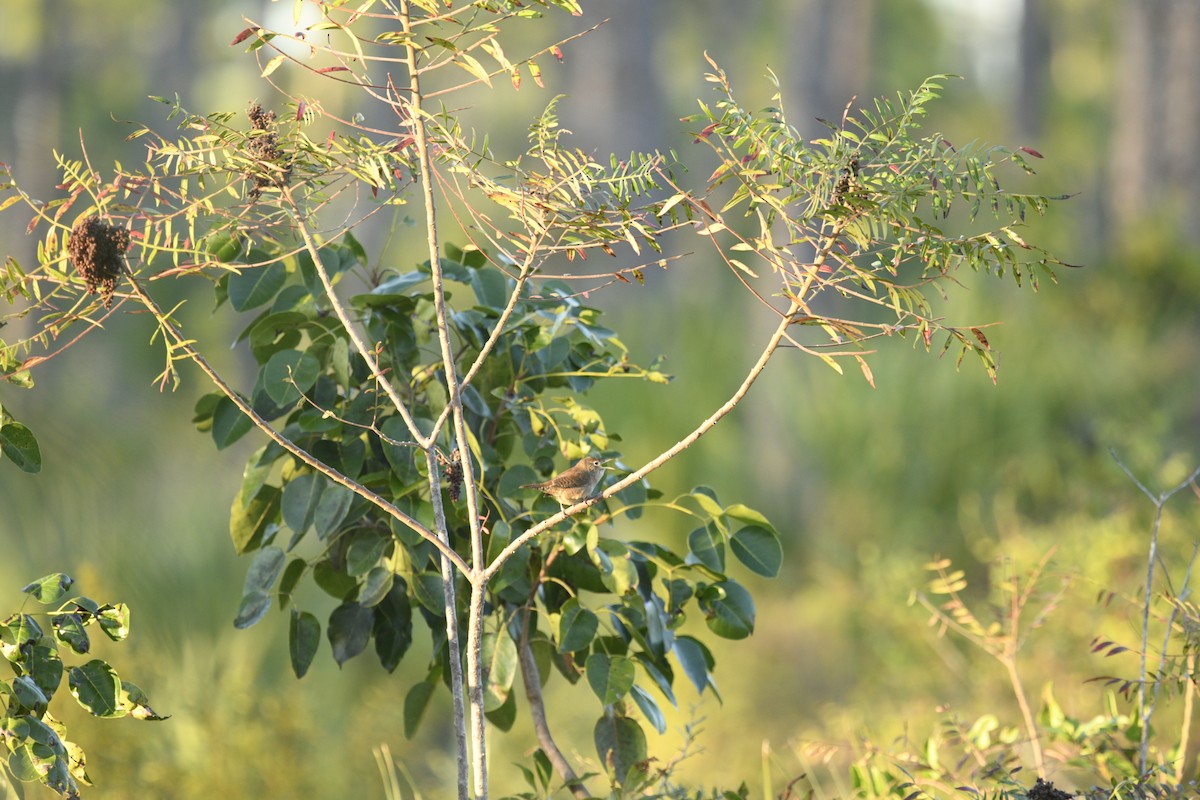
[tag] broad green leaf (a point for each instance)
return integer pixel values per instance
(248, 522)
(19, 445)
(289, 373)
(254, 287)
(707, 502)
(729, 610)
(620, 742)
(706, 546)
(300, 498)
(29, 694)
(114, 621)
(349, 630)
(228, 423)
(97, 688)
(393, 626)
(331, 509)
(376, 586)
(504, 716)
(264, 569)
(17, 632)
(415, 703)
(759, 549)
(365, 551)
(334, 581)
(43, 666)
(695, 660)
(49, 589)
(304, 636)
(576, 627)
(427, 588)
(254, 606)
(649, 708)
(500, 664)
(68, 629)
(743, 513)
(611, 677)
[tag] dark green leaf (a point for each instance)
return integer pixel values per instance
(49, 589)
(706, 545)
(365, 552)
(649, 708)
(331, 509)
(729, 610)
(304, 636)
(264, 569)
(300, 498)
(255, 286)
(505, 715)
(611, 677)
(427, 587)
(20, 446)
(333, 581)
(291, 577)
(694, 659)
(621, 743)
(68, 629)
(576, 627)
(289, 373)
(42, 665)
(29, 694)
(415, 703)
(376, 586)
(393, 626)
(349, 631)
(114, 621)
(228, 423)
(759, 549)
(96, 687)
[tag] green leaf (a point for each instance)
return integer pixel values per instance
(376, 586)
(248, 522)
(759, 549)
(264, 569)
(304, 636)
(749, 516)
(706, 545)
(620, 742)
(68, 629)
(49, 589)
(649, 708)
(611, 677)
(254, 606)
(365, 551)
(20, 446)
(576, 627)
(392, 628)
(114, 621)
(228, 423)
(729, 609)
(504, 716)
(300, 499)
(96, 687)
(415, 703)
(706, 499)
(289, 373)
(349, 630)
(695, 660)
(43, 666)
(427, 588)
(331, 509)
(253, 287)
(29, 694)
(500, 665)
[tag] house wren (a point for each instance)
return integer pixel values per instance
(575, 484)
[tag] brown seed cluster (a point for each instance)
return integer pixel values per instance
(96, 249)
(453, 473)
(264, 148)
(1044, 790)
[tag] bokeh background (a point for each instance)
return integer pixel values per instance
(866, 485)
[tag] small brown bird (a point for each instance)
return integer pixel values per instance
(575, 484)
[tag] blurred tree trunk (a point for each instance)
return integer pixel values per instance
(1156, 130)
(831, 58)
(1033, 66)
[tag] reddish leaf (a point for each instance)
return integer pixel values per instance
(244, 35)
(621, 278)
(1031, 152)
(704, 134)
(982, 339)
(947, 143)
(323, 70)
(515, 75)
(927, 335)
(557, 53)
(329, 141)
(608, 250)
(301, 107)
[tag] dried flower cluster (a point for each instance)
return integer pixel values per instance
(96, 249)
(264, 148)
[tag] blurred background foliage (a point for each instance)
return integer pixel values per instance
(866, 485)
